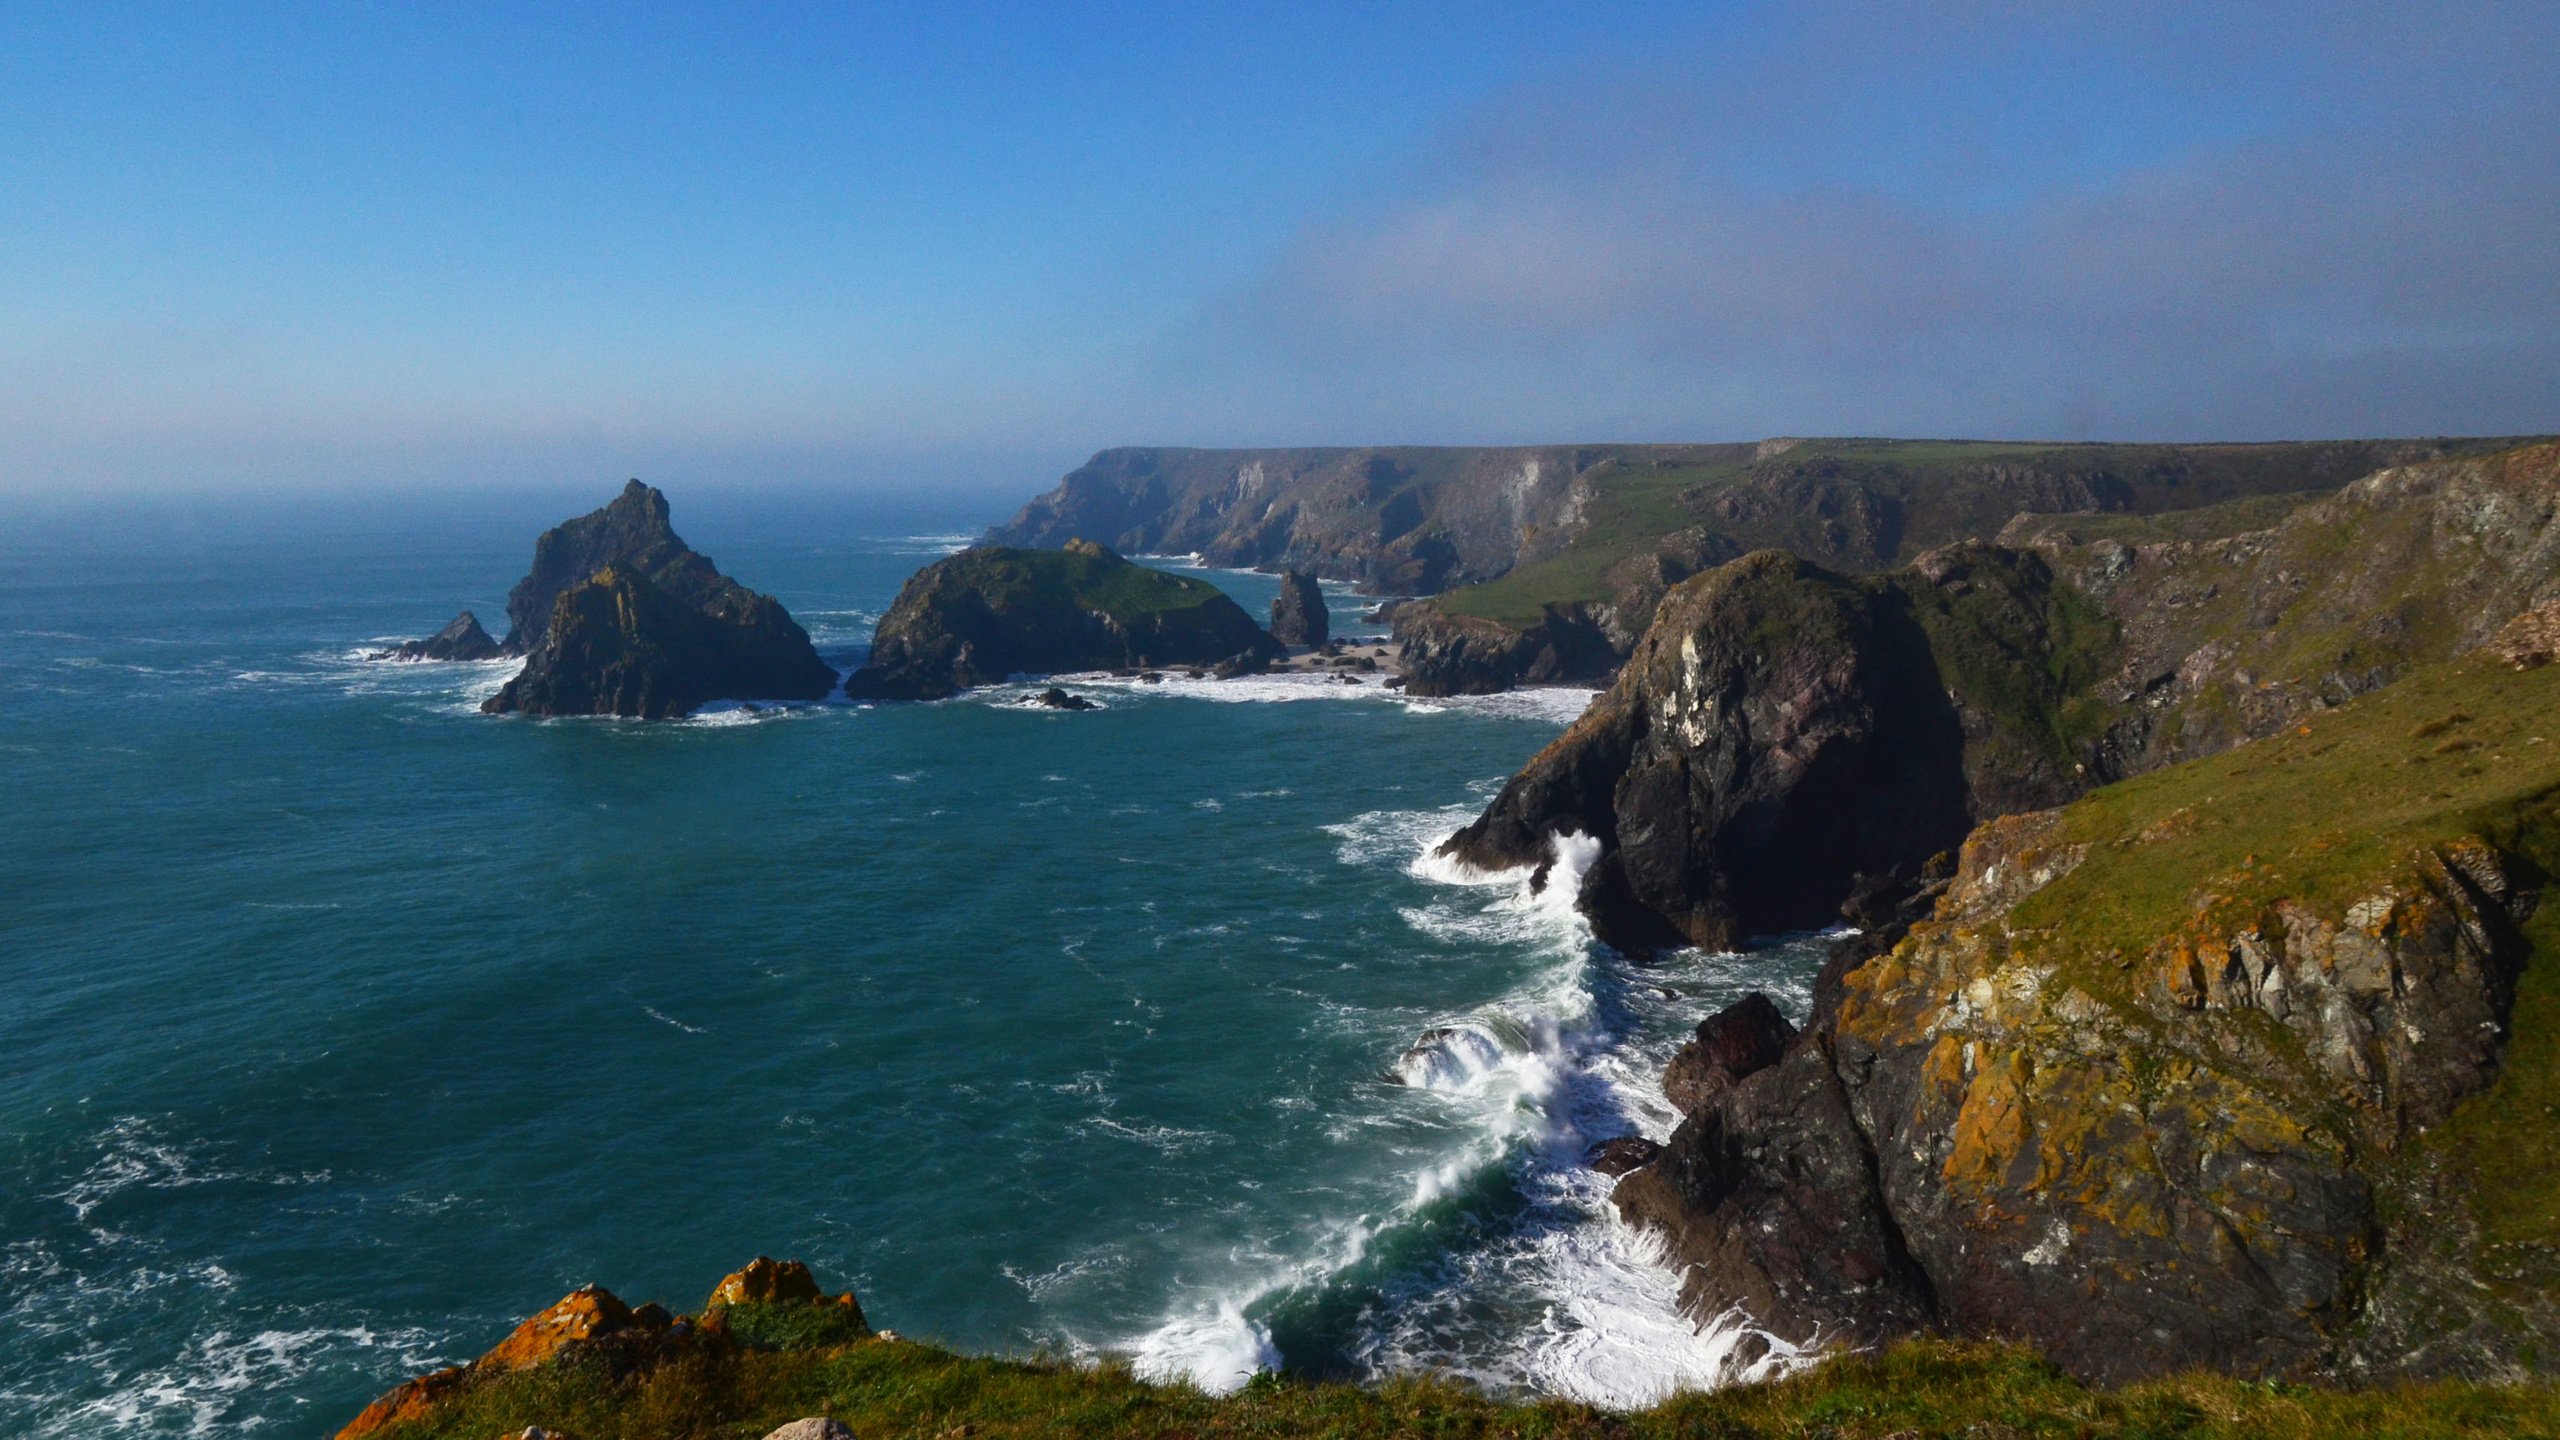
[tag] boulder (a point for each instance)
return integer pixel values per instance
(460, 639)
(816, 1427)
(765, 1279)
(982, 615)
(1298, 615)
(1054, 698)
(582, 1314)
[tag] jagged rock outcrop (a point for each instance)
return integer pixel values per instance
(1787, 739)
(591, 1326)
(1443, 654)
(621, 645)
(1742, 1039)
(460, 639)
(985, 614)
(2212, 1069)
(620, 617)
(1298, 615)
(1779, 733)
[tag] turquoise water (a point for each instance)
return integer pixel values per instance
(341, 1026)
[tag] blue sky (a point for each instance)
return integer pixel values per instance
(258, 247)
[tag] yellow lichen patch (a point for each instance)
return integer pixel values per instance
(1992, 1127)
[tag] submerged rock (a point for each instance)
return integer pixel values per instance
(1620, 1155)
(649, 629)
(982, 615)
(1298, 616)
(460, 639)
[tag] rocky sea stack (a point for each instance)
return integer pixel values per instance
(620, 617)
(985, 614)
(460, 639)
(1299, 616)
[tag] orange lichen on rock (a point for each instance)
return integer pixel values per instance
(583, 1313)
(764, 1278)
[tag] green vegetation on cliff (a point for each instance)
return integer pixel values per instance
(1861, 504)
(995, 611)
(889, 1388)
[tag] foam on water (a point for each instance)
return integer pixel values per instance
(1562, 1298)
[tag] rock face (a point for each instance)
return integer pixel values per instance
(1779, 733)
(460, 639)
(2209, 1069)
(1742, 1039)
(1786, 739)
(1444, 654)
(1298, 616)
(625, 619)
(1585, 540)
(985, 614)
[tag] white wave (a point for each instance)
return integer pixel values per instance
(1558, 705)
(1171, 1139)
(657, 1014)
(726, 714)
(1449, 1057)
(133, 1155)
(1218, 1351)
(194, 1394)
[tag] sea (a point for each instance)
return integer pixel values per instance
(342, 1026)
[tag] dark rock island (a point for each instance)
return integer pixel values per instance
(985, 614)
(1298, 615)
(460, 639)
(620, 617)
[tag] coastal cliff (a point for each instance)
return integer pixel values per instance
(2238, 1064)
(984, 614)
(1560, 554)
(1786, 738)
(618, 616)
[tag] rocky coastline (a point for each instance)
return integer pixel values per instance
(2193, 1132)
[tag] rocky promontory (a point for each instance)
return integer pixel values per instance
(620, 617)
(1787, 739)
(982, 615)
(2241, 1065)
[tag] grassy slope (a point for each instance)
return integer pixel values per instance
(893, 1388)
(2322, 813)
(1638, 504)
(1634, 506)
(1024, 579)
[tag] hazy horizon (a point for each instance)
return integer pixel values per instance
(941, 256)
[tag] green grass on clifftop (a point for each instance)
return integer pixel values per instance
(1918, 1389)
(1084, 577)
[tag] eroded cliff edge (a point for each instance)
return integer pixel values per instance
(2245, 1064)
